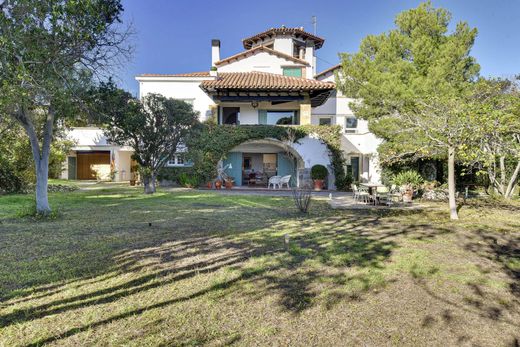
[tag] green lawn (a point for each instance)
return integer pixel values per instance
(194, 268)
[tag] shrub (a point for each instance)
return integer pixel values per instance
(188, 181)
(319, 172)
(171, 174)
(302, 198)
(408, 178)
(11, 181)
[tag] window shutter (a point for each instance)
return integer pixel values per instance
(262, 116)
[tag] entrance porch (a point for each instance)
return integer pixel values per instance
(252, 164)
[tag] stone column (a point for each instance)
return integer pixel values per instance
(305, 111)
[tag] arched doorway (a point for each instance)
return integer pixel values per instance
(252, 163)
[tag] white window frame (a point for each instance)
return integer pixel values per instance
(351, 130)
(174, 162)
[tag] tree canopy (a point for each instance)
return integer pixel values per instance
(156, 127)
(50, 51)
(413, 84)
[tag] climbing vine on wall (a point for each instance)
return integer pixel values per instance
(213, 142)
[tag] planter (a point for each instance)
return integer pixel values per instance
(229, 184)
(408, 195)
(209, 185)
(318, 184)
(218, 184)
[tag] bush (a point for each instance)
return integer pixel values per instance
(172, 174)
(11, 180)
(319, 172)
(408, 178)
(302, 199)
(188, 181)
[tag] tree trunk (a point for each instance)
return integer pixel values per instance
(41, 157)
(451, 183)
(502, 187)
(149, 183)
(42, 174)
(512, 182)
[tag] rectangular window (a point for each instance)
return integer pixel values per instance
(177, 160)
(292, 71)
(325, 121)
(351, 124)
(280, 117)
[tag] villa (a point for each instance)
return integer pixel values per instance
(273, 81)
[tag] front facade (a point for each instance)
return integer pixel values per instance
(273, 82)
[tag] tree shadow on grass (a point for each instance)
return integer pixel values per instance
(356, 243)
(497, 253)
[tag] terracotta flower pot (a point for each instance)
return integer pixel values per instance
(229, 184)
(218, 184)
(318, 184)
(408, 195)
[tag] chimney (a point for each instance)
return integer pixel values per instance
(215, 51)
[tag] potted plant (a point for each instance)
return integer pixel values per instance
(318, 175)
(218, 184)
(409, 181)
(229, 182)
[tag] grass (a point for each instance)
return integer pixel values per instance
(190, 268)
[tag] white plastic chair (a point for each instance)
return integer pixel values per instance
(360, 194)
(395, 193)
(382, 195)
(285, 180)
(275, 181)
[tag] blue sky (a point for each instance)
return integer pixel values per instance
(173, 36)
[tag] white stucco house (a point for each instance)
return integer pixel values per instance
(272, 81)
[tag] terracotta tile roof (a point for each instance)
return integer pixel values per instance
(330, 69)
(253, 51)
(263, 81)
(297, 32)
(189, 74)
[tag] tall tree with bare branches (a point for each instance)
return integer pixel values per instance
(50, 52)
(495, 133)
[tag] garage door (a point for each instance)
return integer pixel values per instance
(93, 165)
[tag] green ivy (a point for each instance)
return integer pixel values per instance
(213, 143)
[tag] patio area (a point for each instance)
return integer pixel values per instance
(346, 201)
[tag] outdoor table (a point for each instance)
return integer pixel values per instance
(371, 186)
(371, 190)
